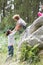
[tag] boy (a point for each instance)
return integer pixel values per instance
(10, 35)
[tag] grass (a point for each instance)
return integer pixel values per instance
(3, 54)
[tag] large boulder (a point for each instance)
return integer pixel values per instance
(34, 38)
(33, 33)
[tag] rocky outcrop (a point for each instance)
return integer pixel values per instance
(33, 33)
(34, 38)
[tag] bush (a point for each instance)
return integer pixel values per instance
(28, 52)
(7, 23)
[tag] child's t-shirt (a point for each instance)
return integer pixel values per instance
(11, 39)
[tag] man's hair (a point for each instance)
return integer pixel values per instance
(16, 17)
(8, 32)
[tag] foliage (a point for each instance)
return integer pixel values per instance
(29, 53)
(27, 9)
(4, 51)
(7, 23)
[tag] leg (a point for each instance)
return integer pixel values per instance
(10, 50)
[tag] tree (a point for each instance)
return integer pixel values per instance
(27, 9)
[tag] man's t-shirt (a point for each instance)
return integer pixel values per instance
(21, 22)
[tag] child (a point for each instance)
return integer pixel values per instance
(40, 11)
(10, 35)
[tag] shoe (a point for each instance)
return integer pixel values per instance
(9, 57)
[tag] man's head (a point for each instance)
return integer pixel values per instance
(8, 32)
(16, 17)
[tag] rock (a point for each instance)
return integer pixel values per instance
(41, 52)
(34, 38)
(37, 36)
(33, 33)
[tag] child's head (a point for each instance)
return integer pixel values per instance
(16, 17)
(8, 32)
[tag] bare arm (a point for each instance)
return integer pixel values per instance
(17, 27)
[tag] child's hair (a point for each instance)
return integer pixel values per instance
(8, 32)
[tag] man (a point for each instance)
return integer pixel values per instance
(20, 22)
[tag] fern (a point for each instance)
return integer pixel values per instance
(29, 53)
